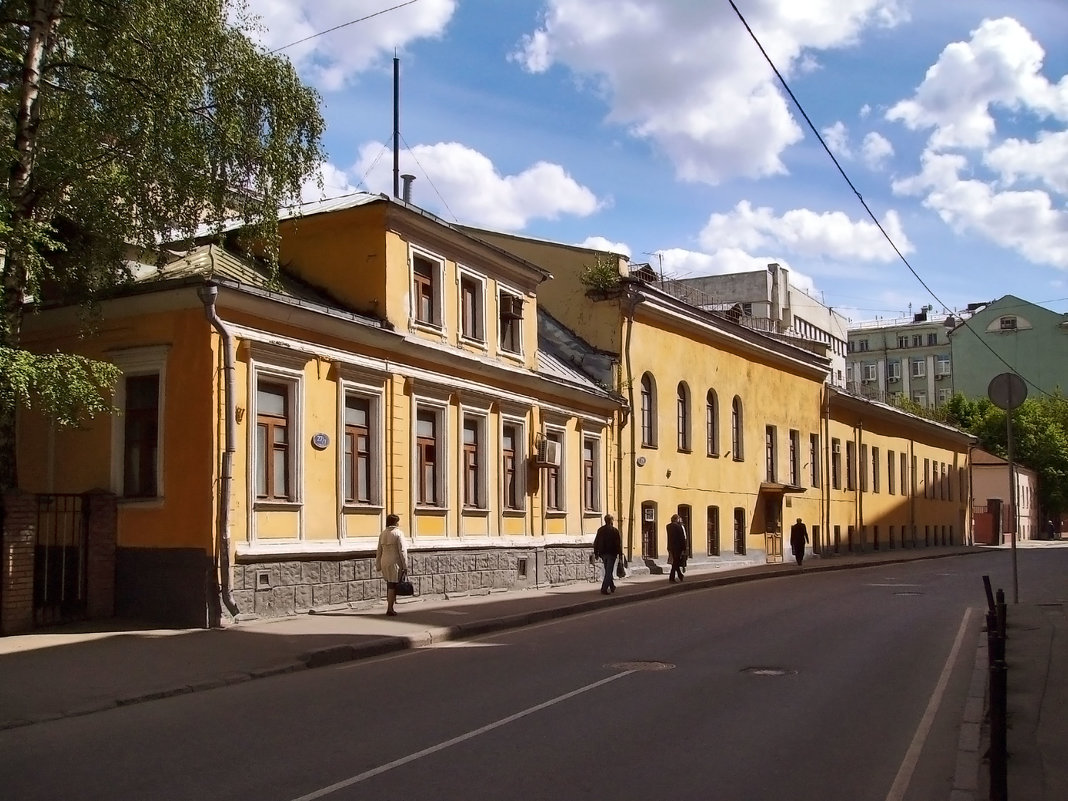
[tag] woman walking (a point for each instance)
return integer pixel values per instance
(391, 560)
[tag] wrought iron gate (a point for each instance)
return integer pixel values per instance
(59, 559)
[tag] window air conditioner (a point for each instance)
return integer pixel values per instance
(511, 307)
(548, 452)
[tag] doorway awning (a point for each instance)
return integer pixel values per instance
(775, 488)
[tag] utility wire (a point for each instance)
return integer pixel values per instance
(444, 202)
(864, 203)
(343, 25)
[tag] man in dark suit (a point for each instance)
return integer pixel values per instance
(608, 546)
(798, 540)
(677, 548)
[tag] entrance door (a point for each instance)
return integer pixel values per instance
(685, 516)
(649, 538)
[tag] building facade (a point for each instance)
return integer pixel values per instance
(993, 515)
(740, 432)
(269, 423)
(910, 358)
(1010, 334)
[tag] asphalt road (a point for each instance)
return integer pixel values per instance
(839, 686)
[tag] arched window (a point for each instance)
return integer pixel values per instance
(648, 411)
(712, 423)
(682, 406)
(737, 441)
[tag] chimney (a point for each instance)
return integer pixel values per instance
(406, 192)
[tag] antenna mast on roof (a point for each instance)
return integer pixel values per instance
(396, 125)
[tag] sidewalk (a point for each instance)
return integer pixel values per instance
(105, 664)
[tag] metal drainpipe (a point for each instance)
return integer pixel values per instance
(631, 301)
(207, 294)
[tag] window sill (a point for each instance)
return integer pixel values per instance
(260, 505)
(153, 502)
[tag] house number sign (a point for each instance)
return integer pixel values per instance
(320, 441)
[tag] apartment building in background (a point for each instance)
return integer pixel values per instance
(905, 357)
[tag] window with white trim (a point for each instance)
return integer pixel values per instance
(591, 474)
(648, 411)
(427, 277)
(737, 436)
(555, 494)
(276, 428)
(429, 461)
(137, 434)
(512, 461)
(919, 368)
(682, 409)
(472, 308)
(357, 467)
(474, 461)
(510, 314)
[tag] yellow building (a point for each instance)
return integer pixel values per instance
(268, 426)
(735, 430)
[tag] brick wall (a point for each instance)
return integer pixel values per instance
(100, 559)
(16, 567)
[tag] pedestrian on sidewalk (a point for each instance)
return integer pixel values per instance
(608, 546)
(391, 559)
(676, 545)
(798, 540)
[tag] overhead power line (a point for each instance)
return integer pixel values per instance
(860, 198)
(343, 25)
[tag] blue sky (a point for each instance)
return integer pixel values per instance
(657, 129)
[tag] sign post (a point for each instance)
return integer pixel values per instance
(1007, 391)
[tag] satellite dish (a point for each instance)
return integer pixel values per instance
(1007, 391)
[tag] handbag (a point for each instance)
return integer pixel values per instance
(621, 568)
(404, 586)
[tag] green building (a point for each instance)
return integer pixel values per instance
(1010, 334)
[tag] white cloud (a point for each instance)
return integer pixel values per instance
(830, 235)
(475, 192)
(876, 150)
(335, 182)
(1045, 160)
(837, 138)
(331, 60)
(685, 76)
(999, 67)
(600, 243)
(1023, 220)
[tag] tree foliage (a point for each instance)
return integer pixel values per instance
(1040, 439)
(128, 123)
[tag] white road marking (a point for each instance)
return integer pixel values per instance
(912, 755)
(367, 774)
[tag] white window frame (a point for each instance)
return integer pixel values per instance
(560, 432)
(502, 291)
(920, 396)
(893, 370)
(376, 434)
(438, 323)
(918, 368)
(481, 418)
(480, 303)
(520, 425)
(942, 365)
(870, 374)
(597, 500)
(440, 409)
(135, 362)
(293, 381)
(944, 395)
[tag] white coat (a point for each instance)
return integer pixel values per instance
(392, 557)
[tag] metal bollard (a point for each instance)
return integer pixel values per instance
(994, 641)
(1002, 614)
(989, 594)
(999, 785)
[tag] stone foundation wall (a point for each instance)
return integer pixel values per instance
(293, 586)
